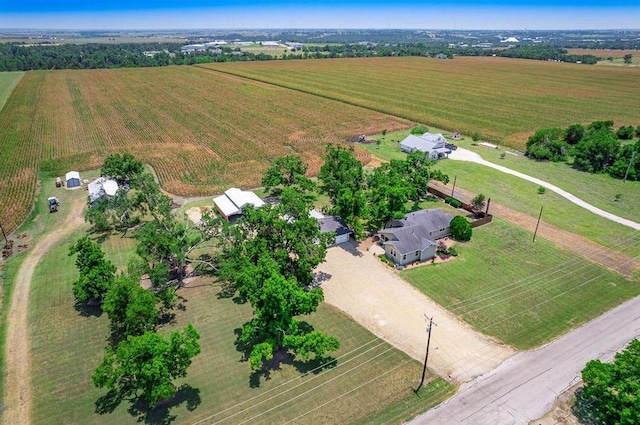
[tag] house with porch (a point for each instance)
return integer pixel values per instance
(413, 238)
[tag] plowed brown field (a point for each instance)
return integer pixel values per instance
(200, 130)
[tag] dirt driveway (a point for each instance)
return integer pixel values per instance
(359, 284)
(17, 385)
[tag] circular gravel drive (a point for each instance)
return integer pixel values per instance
(359, 284)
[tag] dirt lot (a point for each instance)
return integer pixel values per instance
(358, 283)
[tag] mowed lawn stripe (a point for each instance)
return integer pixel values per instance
(522, 292)
(8, 82)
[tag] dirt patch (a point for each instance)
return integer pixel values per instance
(358, 283)
(18, 397)
(597, 253)
(562, 412)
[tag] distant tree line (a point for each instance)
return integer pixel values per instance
(18, 57)
(596, 148)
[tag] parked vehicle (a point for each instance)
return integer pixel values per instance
(54, 203)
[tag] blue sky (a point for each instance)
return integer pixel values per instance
(428, 14)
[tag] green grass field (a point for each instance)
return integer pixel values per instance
(521, 292)
(522, 195)
(370, 382)
(502, 99)
(599, 190)
(8, 82)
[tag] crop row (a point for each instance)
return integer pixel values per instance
(502, 99)
(201, 130)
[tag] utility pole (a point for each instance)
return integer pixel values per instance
(454, 185)
(426, 357)
(629, 167)
(537, 224)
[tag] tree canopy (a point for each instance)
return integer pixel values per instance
(548, 144)
(268, 260)
(343, 181)
(286, 171)
(613, 389)
(96, 272)
(131, 308)
(147, 364)
(121, 167)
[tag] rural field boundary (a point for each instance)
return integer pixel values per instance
(18, 396)
(610, 258)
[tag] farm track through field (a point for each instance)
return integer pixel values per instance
(607, 257)
(17, 386)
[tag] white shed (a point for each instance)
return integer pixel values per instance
(72, 179)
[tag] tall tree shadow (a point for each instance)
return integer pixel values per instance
(160, 414)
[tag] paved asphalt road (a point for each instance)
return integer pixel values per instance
(525, 387)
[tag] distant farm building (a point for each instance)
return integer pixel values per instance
(72, 179)
(441, 56)
(190, 48)
(432, 143)
(231, 204)
(102, 188)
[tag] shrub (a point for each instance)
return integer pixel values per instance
(384, 132)
(542, 190)
(574, 134)
(461, 228)
(475, 137)
(547, 144)
(419, 129)
(453, 202)
(625, 133)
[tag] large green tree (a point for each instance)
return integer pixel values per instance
(274, 326)
(343, 181)
(146, 365)
(389, 191)
(132, 309)
(122, 167)
(597, 151)
(286, 171)
(419, 170)
(613, 389)
(96, 272)
(269, 261)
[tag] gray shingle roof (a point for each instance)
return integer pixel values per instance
(333, 224)
(414, 235)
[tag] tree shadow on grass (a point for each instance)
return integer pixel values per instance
(88, 309)
(160, 414)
